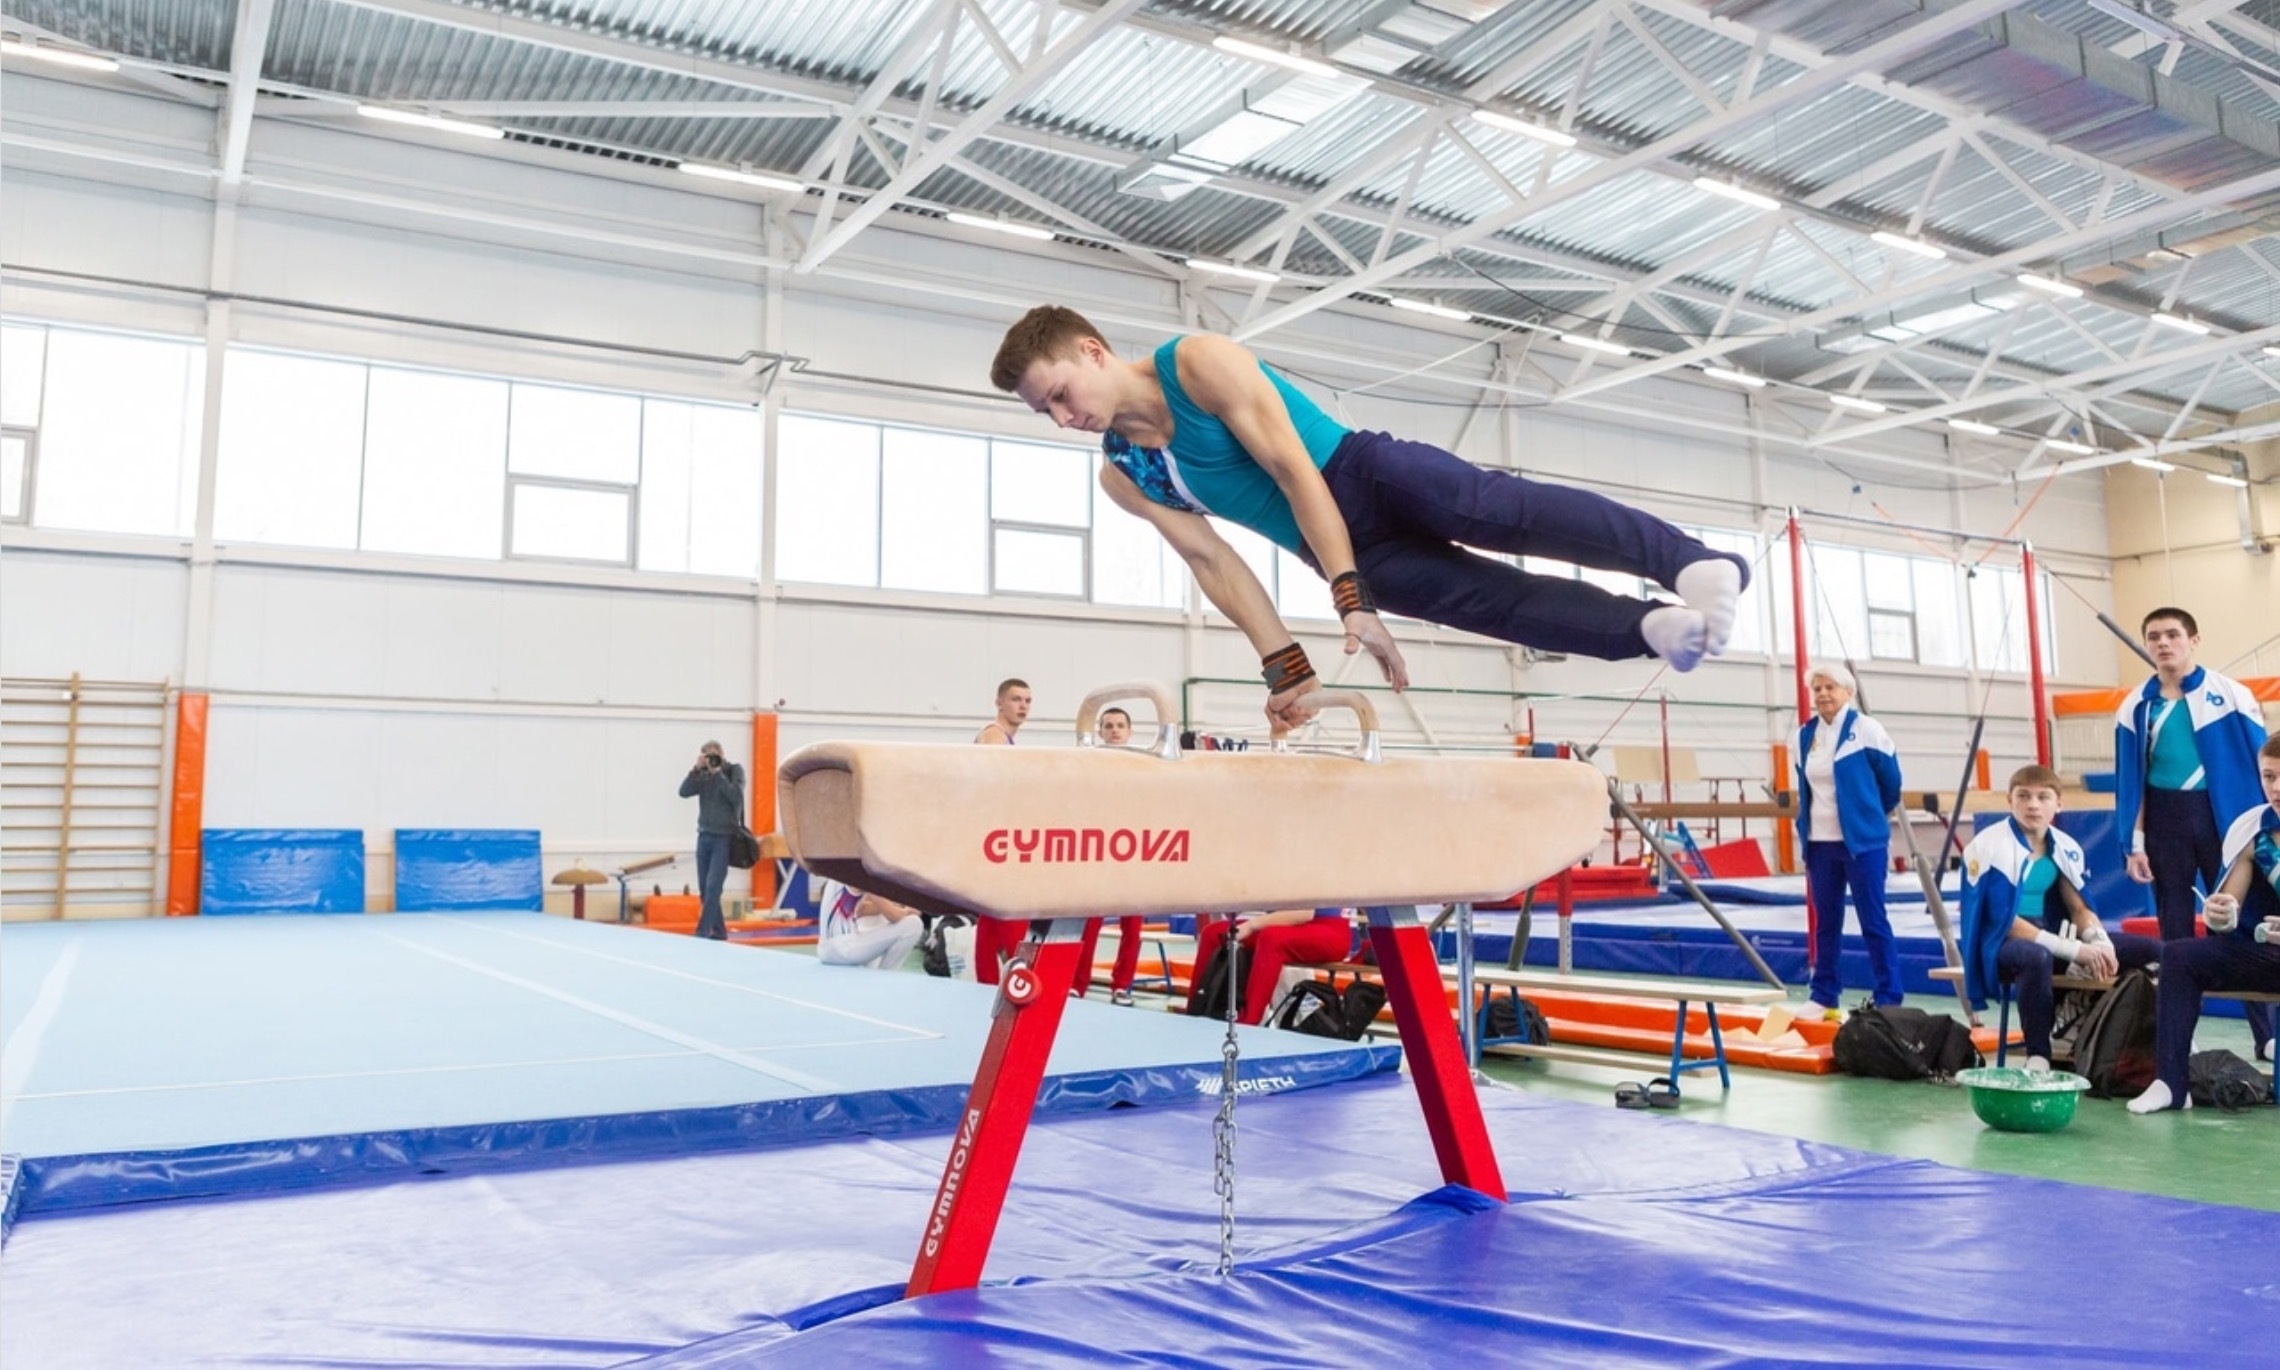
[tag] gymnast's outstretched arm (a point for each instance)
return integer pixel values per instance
(1220, 570)
(1225, 377)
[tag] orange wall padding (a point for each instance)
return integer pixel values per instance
(762, 778)
(2080, 702)
(189, 806)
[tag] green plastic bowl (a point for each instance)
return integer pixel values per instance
(2013, 1100)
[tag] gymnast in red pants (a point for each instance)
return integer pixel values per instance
(1270, 941)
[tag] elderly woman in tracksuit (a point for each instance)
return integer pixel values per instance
(1848, 780)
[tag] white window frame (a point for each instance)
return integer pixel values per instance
(24, 503)
(632, 493)
(1083, 536)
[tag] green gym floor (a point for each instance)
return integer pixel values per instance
(2203, 1154)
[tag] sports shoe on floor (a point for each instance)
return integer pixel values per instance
(1122, 998)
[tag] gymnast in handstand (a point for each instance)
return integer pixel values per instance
(1203, 427)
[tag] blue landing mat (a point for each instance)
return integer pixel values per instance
(1639, 1238)
(161, 1059)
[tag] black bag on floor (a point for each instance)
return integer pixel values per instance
(1311, 1006)
(1209, 998)
(1894, 1042)
(934, 943)
(2221, 1079)
(1522, 1020)
(2113, 1049)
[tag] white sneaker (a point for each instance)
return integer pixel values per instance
(1122, 998)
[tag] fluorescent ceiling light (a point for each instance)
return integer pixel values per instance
(62, 57)
(1542, 133)
(1720, 373)
(1856, 404)
(2153, 464)
(2080, 449)
(1438, 311)
(1248, 273)
(1590, 344)
(2180, 323)
(746, 178)
(1908, 244)
(1258, 52)
(429, 121)
(2234, 481)
(2050, 285)
(1735, 193)
(1985, 430)
(1014, 227)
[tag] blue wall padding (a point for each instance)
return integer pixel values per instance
(467, 869)
(281, 870)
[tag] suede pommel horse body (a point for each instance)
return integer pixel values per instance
(1068, 835)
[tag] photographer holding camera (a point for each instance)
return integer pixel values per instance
(717, 784)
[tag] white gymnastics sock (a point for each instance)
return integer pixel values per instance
(2156, 1098)
(2037, 1063)
(1674, 634)
(1712, 587)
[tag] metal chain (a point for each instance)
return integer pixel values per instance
(1223, 1126)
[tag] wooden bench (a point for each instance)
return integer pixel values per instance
(2003, 1003)
(1708, 993)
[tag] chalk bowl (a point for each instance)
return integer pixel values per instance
(2012, 1100)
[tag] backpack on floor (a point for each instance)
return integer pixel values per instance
(2221, 1079)
(1894, 1042)
(1523, 1021)
(943, 960)
(1210, 997)
(2113, 1048)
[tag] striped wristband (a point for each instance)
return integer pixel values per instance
(1285, 668)
(1349, 593)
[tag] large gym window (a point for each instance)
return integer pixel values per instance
(435, 459)
(934, 512)
(89, 461)
(292, 450)
(700, 488)
(1040, 515)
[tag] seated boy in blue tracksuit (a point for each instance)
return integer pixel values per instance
(2024, 918)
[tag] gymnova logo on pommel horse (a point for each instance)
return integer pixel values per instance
(961, 1152)
(1077, 846)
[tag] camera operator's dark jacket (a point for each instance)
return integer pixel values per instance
(720, 797)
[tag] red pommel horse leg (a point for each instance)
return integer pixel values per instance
(1412, 975)
(1032, 994)
(1033, 991)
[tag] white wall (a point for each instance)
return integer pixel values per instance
(384, 692)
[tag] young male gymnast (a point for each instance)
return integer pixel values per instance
(1203, 427)
(2024, 918)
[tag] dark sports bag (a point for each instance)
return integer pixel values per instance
(2113, 1049)
(743, 849)
(934, 943)
(1313, 1007)
(1210, 997)
(1894, 1042)
(2221, 1079)
(1506, 1021)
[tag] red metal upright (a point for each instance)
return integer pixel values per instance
(1412, 976)
(1804, 694)
(2035, 655)
(1032, 993)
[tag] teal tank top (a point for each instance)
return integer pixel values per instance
(1211, 469)
(2176, 760)
(2034, 889)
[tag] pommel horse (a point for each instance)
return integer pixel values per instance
(1067, 835)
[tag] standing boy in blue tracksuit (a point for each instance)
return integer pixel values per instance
(2024, 918)
(1848, 781)
(2185, 764)
(2242, 950)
